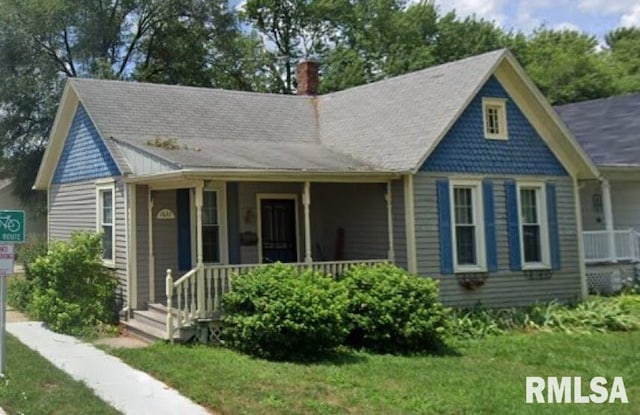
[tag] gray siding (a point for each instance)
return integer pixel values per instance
(72, 207)
(358, 208)
(503, 288)
(142, 244)
(165, 240)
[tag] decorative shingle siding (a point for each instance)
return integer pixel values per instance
(84, 156)
(465, 149)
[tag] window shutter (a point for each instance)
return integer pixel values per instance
(183, 210)
(444, 225)
(489, 226)
(552, 218)
(513, 226)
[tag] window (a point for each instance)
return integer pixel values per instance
(468, 227)
(106, 220)
(494, 112)
(533, 226)
(210, 227)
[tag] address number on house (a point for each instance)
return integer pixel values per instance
(12, 226)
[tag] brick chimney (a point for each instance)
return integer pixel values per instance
(307, 75)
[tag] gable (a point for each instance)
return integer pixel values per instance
(464, 149)
(84, 155)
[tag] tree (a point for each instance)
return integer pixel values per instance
(567, 67)
(624, 55)
(42, 42)
(199, 43)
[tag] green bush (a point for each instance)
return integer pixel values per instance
(278, 312)
(72, 291)
(28, 252)
(19, 292)
(393, 311)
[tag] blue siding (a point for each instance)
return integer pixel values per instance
(183, 208)
(552, 218)
(464, 148)
(84, 156)
(490, 225)
(444, 227)
(513, 225)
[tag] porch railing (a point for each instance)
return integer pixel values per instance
(197, 295)
(596, 246)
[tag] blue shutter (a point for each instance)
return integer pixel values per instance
(513, 226)
(444, 226)
(233, 222)
(489, 226)
(183, 208)
(552, 219)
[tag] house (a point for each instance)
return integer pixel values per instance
(461, 172)
(36, 221)
(609, 131)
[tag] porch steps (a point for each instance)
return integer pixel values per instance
(151, 325)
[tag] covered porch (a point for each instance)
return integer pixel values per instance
(191, 236)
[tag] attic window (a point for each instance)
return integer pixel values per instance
(494, 112)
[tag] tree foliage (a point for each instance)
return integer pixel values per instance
(208, 43)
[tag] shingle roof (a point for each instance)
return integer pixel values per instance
(608, 129)
(387, 126)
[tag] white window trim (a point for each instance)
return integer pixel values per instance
(541, 200)
(501, 103)
(478, 212)
(101, 186)
(281, 196)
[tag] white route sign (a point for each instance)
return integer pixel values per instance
(7, 257)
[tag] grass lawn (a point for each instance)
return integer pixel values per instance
(484, 377)
(34, 386)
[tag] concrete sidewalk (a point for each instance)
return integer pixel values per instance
(126, 389)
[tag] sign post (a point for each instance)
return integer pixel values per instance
(12, 230)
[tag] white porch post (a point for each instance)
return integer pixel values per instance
(608, 219)
(132, 243)
(152, 261)
(200, 290)
(306, 202)
(391, 254)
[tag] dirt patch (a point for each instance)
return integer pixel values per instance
(123, 341)
(14, 316)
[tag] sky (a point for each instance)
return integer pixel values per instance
(596, 17)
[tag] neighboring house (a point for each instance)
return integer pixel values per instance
(36, 221)
(609, 131)
(461, 172)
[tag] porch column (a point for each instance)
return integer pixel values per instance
(306, 202)
(132, 243)
(199, 251)
(391, 254)
(608, 219)
(152, 261)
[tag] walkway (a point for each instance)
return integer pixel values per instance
(126, 389)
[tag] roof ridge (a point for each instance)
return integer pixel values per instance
(138, 84)
(418, 73)
(588, 101)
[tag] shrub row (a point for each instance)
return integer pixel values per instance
(279, 312)
(596, 314)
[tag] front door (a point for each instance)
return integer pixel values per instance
(278, 230)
